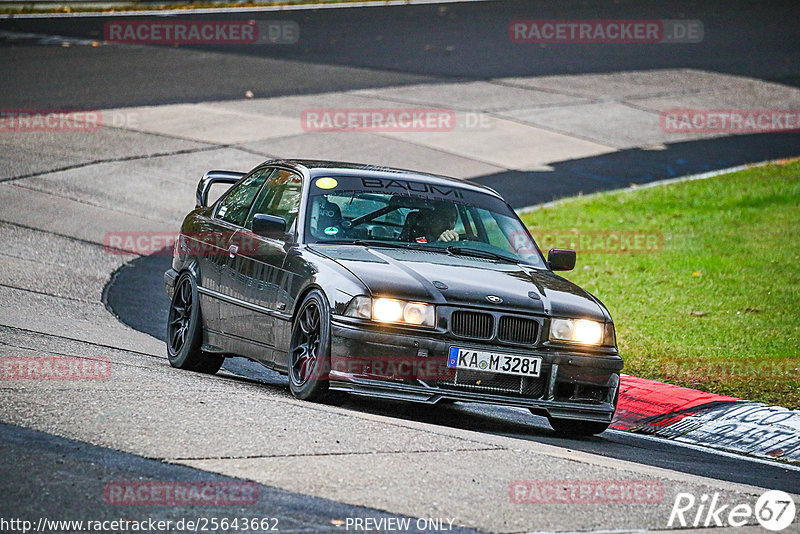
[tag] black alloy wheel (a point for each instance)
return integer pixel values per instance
(309, 356)
(184, 330)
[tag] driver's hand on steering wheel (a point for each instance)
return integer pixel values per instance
(448, 235)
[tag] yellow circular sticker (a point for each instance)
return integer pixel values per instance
(326, 183)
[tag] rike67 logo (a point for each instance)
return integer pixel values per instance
(774, 510)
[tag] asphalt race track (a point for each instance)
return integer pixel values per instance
(38, 455)
(559, 120)
(138, 283)
(405, 44)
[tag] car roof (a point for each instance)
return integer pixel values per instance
(317, 168)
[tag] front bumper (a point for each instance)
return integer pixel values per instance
(169, 281)
(413, 367)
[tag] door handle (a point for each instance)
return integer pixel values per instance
(232, 251)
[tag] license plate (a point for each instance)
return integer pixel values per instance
(492, 362)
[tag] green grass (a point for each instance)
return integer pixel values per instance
(723, 291)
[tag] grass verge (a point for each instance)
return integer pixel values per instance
(706, 293)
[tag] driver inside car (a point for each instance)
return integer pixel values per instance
(436, 224)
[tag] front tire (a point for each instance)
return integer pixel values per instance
(309, 355)
(185, 330)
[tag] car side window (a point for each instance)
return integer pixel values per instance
(235, 205)
(280, 197)
(498, 236)
(466, 222)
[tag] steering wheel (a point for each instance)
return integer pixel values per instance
(468, 237)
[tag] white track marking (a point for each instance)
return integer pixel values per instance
(708, 449)
(255, 9)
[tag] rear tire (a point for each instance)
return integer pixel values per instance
(572, 427)
(185, 330)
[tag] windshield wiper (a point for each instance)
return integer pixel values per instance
(386, 244)
(466, 251)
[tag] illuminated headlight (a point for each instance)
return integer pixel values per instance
(581, 331)
(386, 310)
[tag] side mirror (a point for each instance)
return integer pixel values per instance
(270, 226)
(210, 178)
(561, 259)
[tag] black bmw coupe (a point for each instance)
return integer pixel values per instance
(388, 283)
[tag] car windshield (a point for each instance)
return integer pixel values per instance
(398, 212)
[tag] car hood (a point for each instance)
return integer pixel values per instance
(463, 281)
